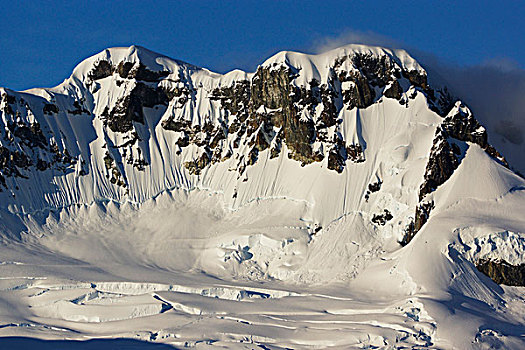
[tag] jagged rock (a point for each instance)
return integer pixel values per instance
(101, 70)
(11, 161)
(272, 88)
(462, 126)
(375, 187)
(196, 166)
(378, 70)
(176, 125)
(443, 161)
(502, 272)
(114, 175)
(372, 71)
(444, 156)
(324, 95)
(127, 70)
(359, 94)
(8, 100)
(140, 72)
(129, 109)
(79, 109)
(218, 135)
(372, 188)
(252, 156)
(124, 68)
(271, 101)
(417, 78)
(422, 214)
(235, 99)
(382, 219)
(24, 145)
(277, 146)
(339, 154)
(355, 153)
(260, 141)
(31, 135)
(50, 108)
(267, 111)
(335, 161)
(445, 102)
(394, 90)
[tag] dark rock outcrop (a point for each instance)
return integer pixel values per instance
(78, 109)
(113, 173)
(272, 89)
(383, 218)
(23, 144)
(127, 70)
(423, 210)
(446, 154)
(50, 108)
(372, 71)
(502, 272)
(372, 188)
(130, 108)
(102, 69)
(394, 90)
(270, 111)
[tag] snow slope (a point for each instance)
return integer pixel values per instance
(148, 198)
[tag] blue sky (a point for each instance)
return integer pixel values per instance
(41, 41)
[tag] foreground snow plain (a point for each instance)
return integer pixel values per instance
(183, 270)
(284, 256)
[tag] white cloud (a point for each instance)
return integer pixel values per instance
(353, 37)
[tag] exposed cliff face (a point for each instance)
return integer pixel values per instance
(127, 70)
(502, 272)
(130, 108)
(458, 127)
(258, 114)
(271, 108)
(23, 146)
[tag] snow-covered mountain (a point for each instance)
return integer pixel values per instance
(343, 176)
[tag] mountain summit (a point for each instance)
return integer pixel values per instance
(343, 168)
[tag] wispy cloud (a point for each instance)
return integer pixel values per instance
(354, 37)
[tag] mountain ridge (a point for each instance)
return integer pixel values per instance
(343, 181)
(365, 71)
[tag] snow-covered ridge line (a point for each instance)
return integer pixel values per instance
(159, 63)
(311, 63)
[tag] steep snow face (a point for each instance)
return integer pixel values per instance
(140, 169)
